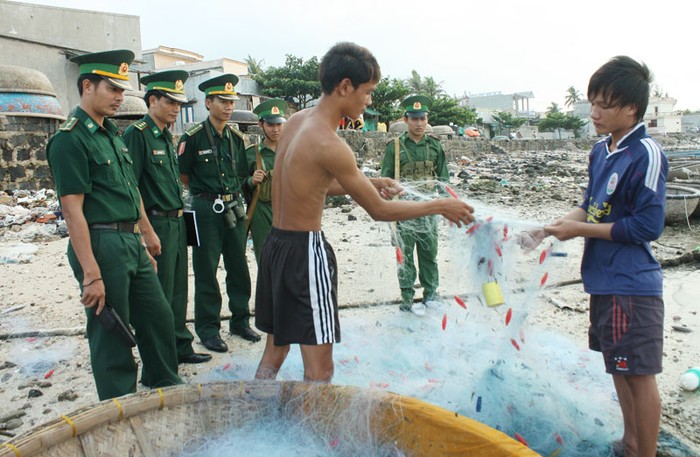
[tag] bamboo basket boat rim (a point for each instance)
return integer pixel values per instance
(409, 412)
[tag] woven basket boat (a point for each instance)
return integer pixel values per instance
(157, 423)
(681, 202)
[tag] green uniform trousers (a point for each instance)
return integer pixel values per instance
(420, 234)
(217, 240)
(260, 225)
(132, 289)
(172, 274)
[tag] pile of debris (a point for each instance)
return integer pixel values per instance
(30, 216)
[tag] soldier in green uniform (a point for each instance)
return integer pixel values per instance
(421, 158)
(261, 161)
(101, 204)
(156, 169)
(213, 165)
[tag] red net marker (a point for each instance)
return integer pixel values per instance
(460, 302)
(451, 192)
(444, 321)
(509, 315)
(48, 374)
(543, 256)
(521, 439)
(544, 279)
(559, 439)
(515, 344)
(399, 256)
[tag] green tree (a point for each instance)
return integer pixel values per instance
(424, 85)
(553, 109)
(572, 96)
(387, 97)
(446, 109)
(432, 89)
(255, 66)
(575, 124)
(554, 120)
(415, 82)
(296, 82)
(505, 119)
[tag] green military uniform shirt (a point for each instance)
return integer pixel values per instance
(210, 173)
(268, 163)
(155, 165)
(422, 160)
(86, 158)
(427, 149)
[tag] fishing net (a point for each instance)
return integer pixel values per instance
(475, 352)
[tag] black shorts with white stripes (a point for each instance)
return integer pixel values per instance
(296, 296)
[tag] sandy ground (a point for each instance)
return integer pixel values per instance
(42, 294)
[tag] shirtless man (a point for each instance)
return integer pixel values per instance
(296, 296)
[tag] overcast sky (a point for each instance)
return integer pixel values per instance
(543, 46)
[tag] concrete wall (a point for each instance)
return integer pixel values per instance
(43, 37)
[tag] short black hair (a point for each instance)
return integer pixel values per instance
(622, 81)
(156, 93)
(347, 60)
(95, 79)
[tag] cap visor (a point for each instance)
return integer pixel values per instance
(417, 114)
(227, 97)
(180, 98)
(275, 120)
(119, 83)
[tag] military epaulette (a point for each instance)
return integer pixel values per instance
(238, 132)
(69, 124)
(141, 125)
(194, 129)
(432, 136)
(391, 141)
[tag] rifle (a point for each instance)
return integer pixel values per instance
(256, 194)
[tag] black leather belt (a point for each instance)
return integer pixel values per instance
(173, 213)
(129, 227)
(222, 197)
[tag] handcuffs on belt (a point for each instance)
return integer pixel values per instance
(218, 206)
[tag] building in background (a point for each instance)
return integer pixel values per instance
(164, 58)
(43, 38)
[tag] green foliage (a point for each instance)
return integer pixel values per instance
(556, 120)
(424, 86)
(387, 96)
(296, 82)
(446, 109)
(553, 109)
(572, 96)
(505, 119)
(255, 66)
(575, 124)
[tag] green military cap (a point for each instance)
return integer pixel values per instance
(221, 86)
(416, 106)
(271, 111)
(171, 83)
(113, 66)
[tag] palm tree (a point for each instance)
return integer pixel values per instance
(572, 96)
(415, 82)
(431, 88)
(553, 109)
(254, 65)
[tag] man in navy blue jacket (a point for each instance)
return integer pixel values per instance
(622, 212)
